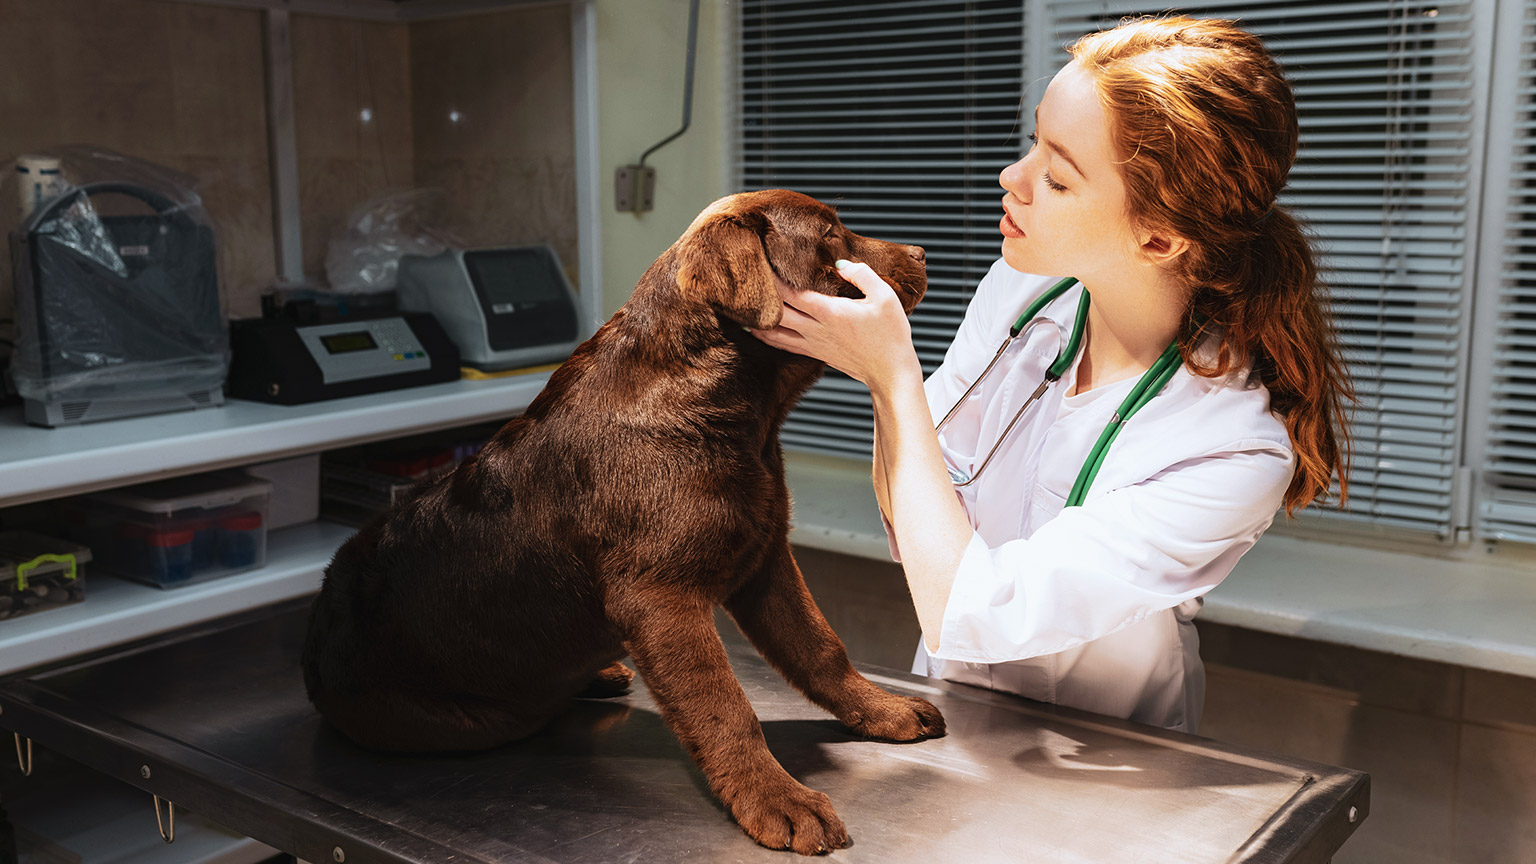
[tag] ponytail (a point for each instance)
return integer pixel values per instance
(1206, 124)
(1269, 317)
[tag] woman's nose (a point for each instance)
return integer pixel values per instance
(1012, 179)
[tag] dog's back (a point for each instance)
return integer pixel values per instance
(648, 472)
(480, 596)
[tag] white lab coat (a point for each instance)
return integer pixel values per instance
(1092, 606)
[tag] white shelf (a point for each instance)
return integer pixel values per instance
(116, 610)
(37, 464)
(1466, 613)
(1475, 614)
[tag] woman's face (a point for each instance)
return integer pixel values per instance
(1065, 211)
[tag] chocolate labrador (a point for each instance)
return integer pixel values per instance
(641, 489)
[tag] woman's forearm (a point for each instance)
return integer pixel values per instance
(870, 340)
(882, 486)
(916, 495)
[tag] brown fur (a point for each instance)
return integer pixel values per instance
(641, 489)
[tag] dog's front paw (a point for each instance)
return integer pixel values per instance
(784, 814)
(897, 718)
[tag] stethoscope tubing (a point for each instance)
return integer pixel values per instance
(1150, 384)
(1021, 327)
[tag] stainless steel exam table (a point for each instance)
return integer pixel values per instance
(214, 719)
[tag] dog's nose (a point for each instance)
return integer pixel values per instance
(917, 253)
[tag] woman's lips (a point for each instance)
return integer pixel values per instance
(1009, 229)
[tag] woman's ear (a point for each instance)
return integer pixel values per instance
(723, 264)
(1161, 248)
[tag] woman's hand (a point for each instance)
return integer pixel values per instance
(869, 339)
(866, 338)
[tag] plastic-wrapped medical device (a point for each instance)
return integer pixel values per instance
(117, 293)
(365, 257)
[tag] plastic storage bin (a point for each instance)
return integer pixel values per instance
(38, 572)
(174, 532)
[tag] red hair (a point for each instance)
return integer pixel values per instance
(1206, 124)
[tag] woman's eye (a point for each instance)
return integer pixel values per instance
(1052, 184)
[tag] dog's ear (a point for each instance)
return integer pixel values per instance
(725, 265)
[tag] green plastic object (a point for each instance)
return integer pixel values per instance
(45, 558)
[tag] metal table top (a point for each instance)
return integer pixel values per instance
(214, 719)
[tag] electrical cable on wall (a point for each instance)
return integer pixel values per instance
(635, 185)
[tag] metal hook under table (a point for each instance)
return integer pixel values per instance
(25, 762)
(167, 826)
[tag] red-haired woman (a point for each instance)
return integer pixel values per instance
(1159, 151)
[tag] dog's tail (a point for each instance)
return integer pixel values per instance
(321, 621)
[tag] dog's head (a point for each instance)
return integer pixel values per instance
(731, 254)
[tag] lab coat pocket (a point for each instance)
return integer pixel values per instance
(1044, 506)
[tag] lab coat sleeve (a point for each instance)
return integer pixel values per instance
(1120, 557)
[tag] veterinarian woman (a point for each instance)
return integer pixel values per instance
(1160, 149)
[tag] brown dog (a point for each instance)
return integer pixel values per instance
(642, 488)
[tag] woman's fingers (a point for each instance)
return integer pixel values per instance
(853, 335)
(819, 306)
(784, 338)
(795, 318)
(808, 304)
(786, 293)
(864, 279)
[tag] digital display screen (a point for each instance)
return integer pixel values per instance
(516, 276)
(342, 343)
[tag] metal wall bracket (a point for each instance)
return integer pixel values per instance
(635, 185)
(634, 188)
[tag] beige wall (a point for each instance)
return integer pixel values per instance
(641, 53)
(182, 84)
(506, 168)
(341, 67)
(173, 83)
(510, 160)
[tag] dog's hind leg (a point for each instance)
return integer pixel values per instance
(611, 680)
(674, 643)
(775, 610)
(430, 722)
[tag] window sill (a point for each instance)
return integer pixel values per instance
(1470, 613)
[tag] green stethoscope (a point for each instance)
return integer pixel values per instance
(1151, 383)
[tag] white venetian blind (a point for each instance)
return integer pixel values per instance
(900, 114)
(906, 126)
(1508, 511)
(1383, 94)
